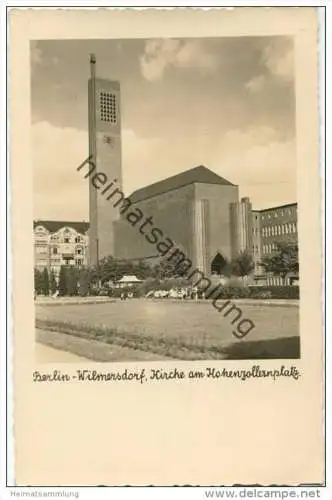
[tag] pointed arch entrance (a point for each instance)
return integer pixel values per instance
(218, 264)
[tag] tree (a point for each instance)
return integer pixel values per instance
(110, 269)
(68, 280)
(86, 277)
(63, 281)
(38, 280)
(243, 264)
(166, 269)
(283, 261)
(71, 281)
(53, 283)
(143, 271)
(45, 286)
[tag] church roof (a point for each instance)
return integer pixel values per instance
(198, 174)
(54, 225)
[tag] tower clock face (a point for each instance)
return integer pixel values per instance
(109, 140)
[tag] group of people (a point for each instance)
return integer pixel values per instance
(126, 295)
(176, 293)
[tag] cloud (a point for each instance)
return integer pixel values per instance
(263, 166)
(35, 53)
(161, 54)
(256, 84)
(59, 192)
(37, 57)
(256, 159)
(278, 58)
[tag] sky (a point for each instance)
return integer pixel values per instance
(226, 103)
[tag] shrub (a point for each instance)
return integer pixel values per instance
(256, 292)
(231, 292)
(148, 285)
(275, 292)
(116, 292)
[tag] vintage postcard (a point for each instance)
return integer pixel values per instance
(167, 247)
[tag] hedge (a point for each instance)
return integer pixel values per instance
(275, 292)
(226, 292)
(258, 292)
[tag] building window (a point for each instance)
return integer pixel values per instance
(55, 250)
(42, 249)
(66, 239)
(77, 239)
(78, 251)
(79, 262)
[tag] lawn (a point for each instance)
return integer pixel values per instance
(183, 330)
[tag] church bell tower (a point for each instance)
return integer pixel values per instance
(104, 115)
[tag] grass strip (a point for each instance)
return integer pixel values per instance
(178, 348)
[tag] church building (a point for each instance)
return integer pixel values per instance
(197, 210)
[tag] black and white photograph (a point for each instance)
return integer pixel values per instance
(165, 199)
(167, 251)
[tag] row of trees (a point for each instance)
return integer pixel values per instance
(73, 281)
(282, 262)
(45, 282)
